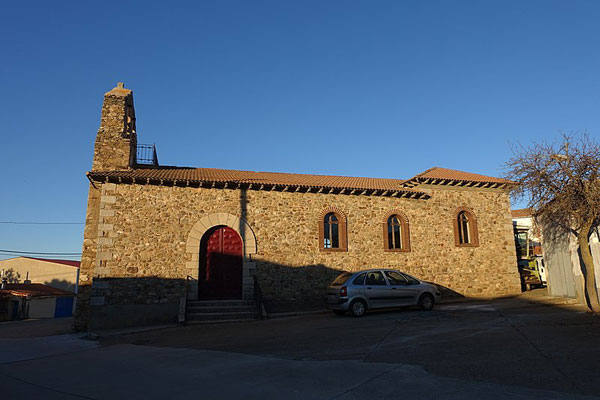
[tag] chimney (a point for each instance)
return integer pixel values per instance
(116, 141)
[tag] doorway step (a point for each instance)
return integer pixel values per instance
(207, 311)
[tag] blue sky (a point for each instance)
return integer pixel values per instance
(359, 88)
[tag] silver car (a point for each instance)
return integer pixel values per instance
(379, 288)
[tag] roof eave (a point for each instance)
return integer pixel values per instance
(416, 181)
(104, 177)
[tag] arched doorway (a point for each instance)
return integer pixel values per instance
(221, 262)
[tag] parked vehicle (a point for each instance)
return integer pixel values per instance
(379, 288)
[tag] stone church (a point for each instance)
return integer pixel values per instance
(158, 235)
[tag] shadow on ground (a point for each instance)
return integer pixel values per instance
(129, 301)
(33, 328)
(531, 341)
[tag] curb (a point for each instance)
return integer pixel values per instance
(101, 334)
(295, 313)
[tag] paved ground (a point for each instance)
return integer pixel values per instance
(513, 348)
(30, 328)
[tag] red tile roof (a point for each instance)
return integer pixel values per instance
(72, 263)
(228, 176)
(33, 290)
(521, 213)
(252, 177)
(437, 173)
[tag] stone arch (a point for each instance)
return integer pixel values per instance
(474, 234)
(343, 229)
(397, 212)
(332, 209)
(248, 238)
(405, 231)
(222, 219)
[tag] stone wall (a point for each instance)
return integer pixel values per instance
(116, 141)
(143, 231)
(88, 258)
(49, 273)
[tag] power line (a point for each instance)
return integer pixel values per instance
(41, 223)
(38, 253)
(57, 258)
(70, 258)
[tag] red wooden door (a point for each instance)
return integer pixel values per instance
(221, 264)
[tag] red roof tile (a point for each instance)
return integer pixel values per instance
(34, 290)
(455, 175)
(521, 213)
(247, 177)
(72, 263)
(230, 176)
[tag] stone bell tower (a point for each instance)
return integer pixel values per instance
(116, 141)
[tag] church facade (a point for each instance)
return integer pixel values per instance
(156, 235)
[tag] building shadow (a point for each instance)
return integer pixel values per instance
(138, 301)
(61, 284)
(447, 293)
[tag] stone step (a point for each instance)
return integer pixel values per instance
(220, 309)
(218, 321)
(220, 303)
(197, 316)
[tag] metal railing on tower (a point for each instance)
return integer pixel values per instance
(146, 155)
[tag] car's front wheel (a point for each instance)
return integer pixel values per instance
(426, 302)
(358, 308)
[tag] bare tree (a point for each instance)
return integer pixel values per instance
(560, 181)
(11, 276)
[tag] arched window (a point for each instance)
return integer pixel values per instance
(465, 229)
(396, 235)
(394, 232)
(332, 231)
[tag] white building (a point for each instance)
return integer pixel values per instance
(60, 274)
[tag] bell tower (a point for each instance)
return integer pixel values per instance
(116, 140)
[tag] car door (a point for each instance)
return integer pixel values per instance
(377, 290)
(402, 291)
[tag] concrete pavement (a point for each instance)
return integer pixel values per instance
(35, 328)
(143, 372)
(528, 347)
(12, 350)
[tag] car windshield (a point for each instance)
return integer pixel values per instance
(411, 279)
(340, 280)
(396, 278)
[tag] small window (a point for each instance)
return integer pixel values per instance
(359, 280)
(375, 278)
(332, 231)
(465, 229)
(396, 235)
(396, 278)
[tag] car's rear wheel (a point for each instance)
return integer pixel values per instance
(426, 302)
(358, 308)
(339, 312)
